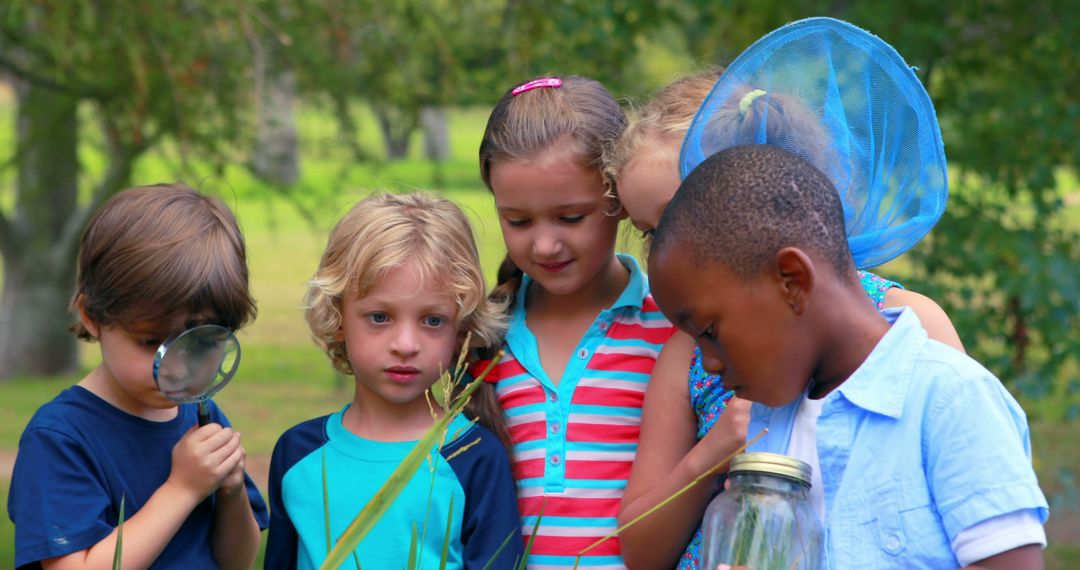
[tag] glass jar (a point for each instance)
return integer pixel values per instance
(764, 520)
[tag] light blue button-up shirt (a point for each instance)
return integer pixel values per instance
(920, 443)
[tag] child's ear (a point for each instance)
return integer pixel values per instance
(87, 323)
(796, 277)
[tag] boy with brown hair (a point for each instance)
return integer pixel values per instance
(154, 261)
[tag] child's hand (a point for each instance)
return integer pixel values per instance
(725, 437)
(233, 483)
(203, 458)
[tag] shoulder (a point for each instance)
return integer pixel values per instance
(298, 442)
(475, 440)
(953, 385)
(932, 317)
(477, 454)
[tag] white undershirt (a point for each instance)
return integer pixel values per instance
(977, 542)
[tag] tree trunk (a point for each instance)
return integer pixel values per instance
(276, 157)
(397, 127)
(436, 133)
(39, 271)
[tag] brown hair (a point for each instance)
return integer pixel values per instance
(384, 231)
(667, 117)
(580, 114)
(152, 252)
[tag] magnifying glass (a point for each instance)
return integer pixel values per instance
(192, 366)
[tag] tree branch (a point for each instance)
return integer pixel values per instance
(73, 89)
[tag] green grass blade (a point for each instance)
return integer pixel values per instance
(119, 552)
(446, 535)
(326, 503)
(532, 537)
(412, 549)
(711, 472)
(494, 557)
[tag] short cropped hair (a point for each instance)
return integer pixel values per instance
(742, 205)
(153, 252)
(384, 231)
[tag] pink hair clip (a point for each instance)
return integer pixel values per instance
(540, 83)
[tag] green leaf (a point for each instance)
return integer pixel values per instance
(118, 553)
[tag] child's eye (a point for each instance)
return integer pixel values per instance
(434, 321)
(571, 219)
(152, 343)
(517, 223)
(648, 234)
(709, 332)
(378, 318)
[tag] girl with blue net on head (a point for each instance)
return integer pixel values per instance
(644, 161)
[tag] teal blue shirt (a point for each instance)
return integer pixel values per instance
(919, 444)
(466, 500)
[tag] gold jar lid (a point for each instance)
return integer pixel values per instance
(774, 463)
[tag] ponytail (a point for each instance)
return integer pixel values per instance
(508, 281)
(484, 407)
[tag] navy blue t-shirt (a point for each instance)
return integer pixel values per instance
(78, 456)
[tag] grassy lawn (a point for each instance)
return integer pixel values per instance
(284, 378)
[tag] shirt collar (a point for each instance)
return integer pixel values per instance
(632, 295)
(881, 382)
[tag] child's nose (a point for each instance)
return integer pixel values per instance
(406, 341)
(711, 363)
(546, 243)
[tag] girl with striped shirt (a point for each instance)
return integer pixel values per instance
(584, 332)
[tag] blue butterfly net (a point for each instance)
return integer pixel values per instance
(845, 101)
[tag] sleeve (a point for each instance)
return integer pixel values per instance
(978, 455)
(999, 534)
(258, 505)
(491, 521)
(57, 503)
(283, 541)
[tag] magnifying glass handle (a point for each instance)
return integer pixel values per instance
(204, 414)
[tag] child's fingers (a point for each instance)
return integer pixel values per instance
(223, 448)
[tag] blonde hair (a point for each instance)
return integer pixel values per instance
(384, 231)
(579, 117)
(667, 117)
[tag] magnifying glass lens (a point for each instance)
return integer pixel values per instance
(197, 363)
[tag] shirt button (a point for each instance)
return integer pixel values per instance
(554, 428)
(603, 326)
(553, 397)
(892, 544)
(555, 459)
(583, 354)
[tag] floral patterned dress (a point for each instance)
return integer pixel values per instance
(709, 399)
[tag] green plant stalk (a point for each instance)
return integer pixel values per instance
(326, 502)
(532, 538)
(412, 549)
(711, 472)
(446, 535)
(119, 552)
(373, 511)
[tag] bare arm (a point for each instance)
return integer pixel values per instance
(236, 532)
(669, 457)
(200, 460)
(1028, 557)
(931, 315)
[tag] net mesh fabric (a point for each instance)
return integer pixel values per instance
(845, 101)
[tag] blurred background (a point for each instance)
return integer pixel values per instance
(291, 110)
